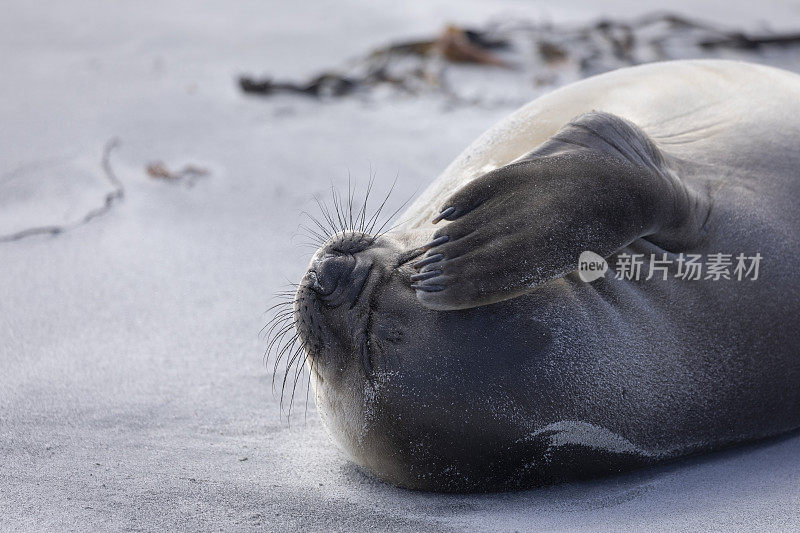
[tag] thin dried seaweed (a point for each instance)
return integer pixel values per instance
(113, 197)
(189, 173)
(507, 61)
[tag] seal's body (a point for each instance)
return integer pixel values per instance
(469, 355)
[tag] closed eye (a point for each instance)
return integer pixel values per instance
(366, 359)
(366, 350)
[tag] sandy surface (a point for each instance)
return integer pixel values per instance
(133, 391)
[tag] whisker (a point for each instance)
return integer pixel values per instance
(289, 362)
(276, 323)
(363, 213)
(326, 215)
(336, 206)
(300, 367)
(313, 233)
(390, 217)
(287, 349)
(308, 388)
(375, 217)
(350, 193)
(325, 232)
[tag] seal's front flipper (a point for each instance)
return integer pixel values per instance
(598, 184)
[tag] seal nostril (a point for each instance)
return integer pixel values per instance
(338, 278)
(329, 271)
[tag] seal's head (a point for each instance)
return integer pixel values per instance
(421, 398)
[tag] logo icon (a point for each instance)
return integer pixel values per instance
(591, 266)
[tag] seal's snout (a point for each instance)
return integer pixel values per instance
(329, 270)
(338, 278)
(332, 302)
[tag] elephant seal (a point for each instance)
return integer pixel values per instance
(468, 355)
